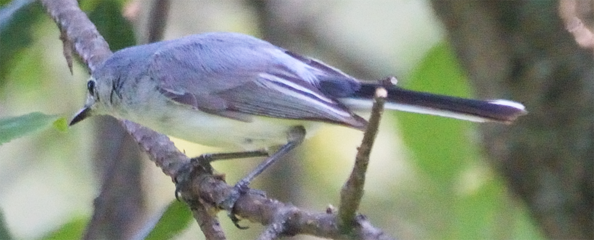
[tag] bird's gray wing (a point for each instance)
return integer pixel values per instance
(237, 76)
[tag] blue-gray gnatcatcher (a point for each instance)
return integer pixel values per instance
(229, 89)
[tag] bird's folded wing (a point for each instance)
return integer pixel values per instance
(242, 81)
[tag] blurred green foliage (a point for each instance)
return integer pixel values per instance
(16, 21)
(4, 232)
(107, 17)
(15, 127)
(439, 144)
(70, 230)
(176, 218)
(468, 200)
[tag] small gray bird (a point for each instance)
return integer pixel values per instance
(234, 90)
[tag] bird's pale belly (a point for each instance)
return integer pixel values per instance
(214, 130)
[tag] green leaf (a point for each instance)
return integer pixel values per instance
(174, 220)
(16, 21)
(441, 145)
(4, 233)
(15, 127)
(71, 230)
(107, 17)
(61, 124)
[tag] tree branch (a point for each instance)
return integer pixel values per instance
(352, 191)
(78, 32)
(281, 219)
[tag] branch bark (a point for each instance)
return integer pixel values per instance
(352, 191)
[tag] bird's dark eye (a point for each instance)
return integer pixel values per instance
(91, 87)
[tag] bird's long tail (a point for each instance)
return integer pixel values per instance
(503, 111)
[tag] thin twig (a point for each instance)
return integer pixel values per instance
(208, 222)
(352, 192)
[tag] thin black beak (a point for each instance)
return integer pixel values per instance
(81, 115)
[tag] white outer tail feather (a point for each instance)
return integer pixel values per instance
(365, 104)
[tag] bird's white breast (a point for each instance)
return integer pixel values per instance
(193, 125)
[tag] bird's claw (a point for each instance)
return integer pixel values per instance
(239, 189)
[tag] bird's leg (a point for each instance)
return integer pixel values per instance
(295, 137)
(205, 159)
(211, 157)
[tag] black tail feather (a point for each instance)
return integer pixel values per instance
(469, 109)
